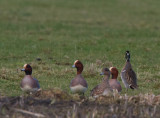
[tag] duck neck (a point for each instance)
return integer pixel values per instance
(28, 73)
(106, 78)
(114, 76)
(128, 64)
(105, 81)
(79, 70)
(127, 60)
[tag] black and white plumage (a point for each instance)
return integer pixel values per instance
(128, 75)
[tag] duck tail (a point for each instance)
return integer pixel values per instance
(133, 86)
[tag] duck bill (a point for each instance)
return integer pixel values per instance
(102, 73)
(22, 69)
(73, 66)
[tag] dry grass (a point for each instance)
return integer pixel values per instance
(56, 103)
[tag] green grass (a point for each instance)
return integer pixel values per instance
(60, 31)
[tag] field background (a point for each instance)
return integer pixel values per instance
(96, 32)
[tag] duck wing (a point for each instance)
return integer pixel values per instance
(131, 78)
(36, 83)
(96, 90)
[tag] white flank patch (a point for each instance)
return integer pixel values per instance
(107, 92)
(27, 88)
(125, 82)
(78, 89)
(123, 71)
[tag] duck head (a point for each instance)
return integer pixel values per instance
(27, 69)
(114, 72)
(127, 56)
(105, 71)
(77, 64)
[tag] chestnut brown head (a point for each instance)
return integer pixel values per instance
(79, 66)
(27, 69)
(114, 72)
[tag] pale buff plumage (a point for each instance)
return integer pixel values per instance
(103, 88)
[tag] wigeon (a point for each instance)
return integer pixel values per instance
(114, 83)
(28, 83)
(78, 84)
(103, 88)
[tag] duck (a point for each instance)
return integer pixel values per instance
(113, 82)
(128, 75)
(104, 87)
(28, 83)
(78, 84)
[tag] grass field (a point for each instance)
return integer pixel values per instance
(96, 32)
